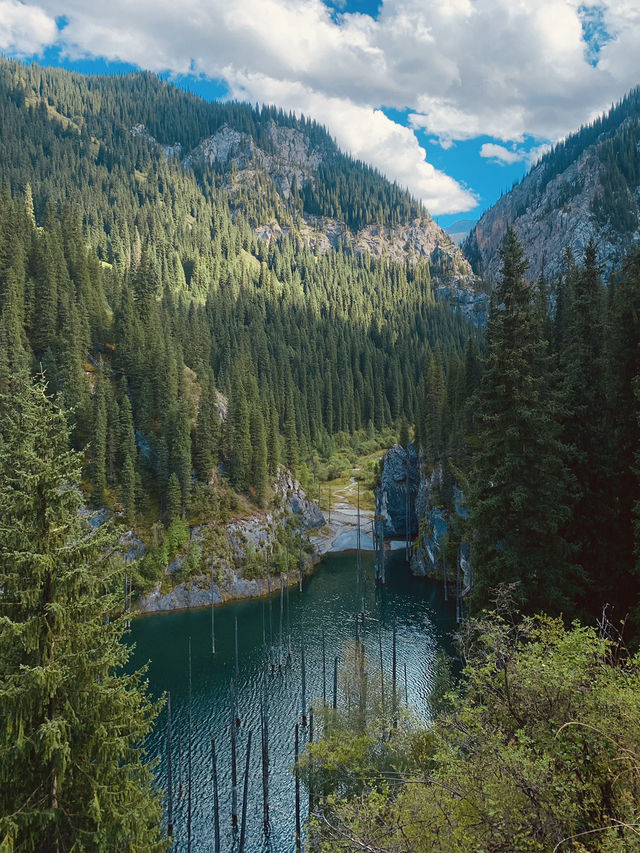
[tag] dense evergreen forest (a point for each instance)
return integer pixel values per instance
(127, 275)
(535, 746)
(554, 484)
(619, 154)
(181, 359)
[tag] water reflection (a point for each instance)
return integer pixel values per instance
(269, 660)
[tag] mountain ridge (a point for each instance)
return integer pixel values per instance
(587, 187)
(294, 162)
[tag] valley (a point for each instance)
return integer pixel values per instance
(265, 428)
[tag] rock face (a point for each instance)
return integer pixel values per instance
(470, 303)
(289, 161)
(420, 239)
(291, 493)
(401, 467)
(199, 593)
(546, 225)
(222, 576)
(586, 189)
(434, 524)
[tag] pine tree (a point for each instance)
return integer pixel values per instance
(128, 483)
(435, 404)
(71, 723)
(13, 355)
(259, 468)
(241, 451)
(623, 372)
(586, 431)
(273, 441)
(403, 435)
(99, 440)
(290, 434)
(174, 499)
(180, 450)
(520, 491)
(207, 431)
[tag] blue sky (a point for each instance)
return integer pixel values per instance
(452, 98)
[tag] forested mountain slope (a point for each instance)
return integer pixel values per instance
(586, 188)
(138, 132)
(135, 276)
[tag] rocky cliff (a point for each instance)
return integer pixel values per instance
(587, 187)
(287, 161)
(435, 524)
(430, 523)
(393, 504)
(231, 560)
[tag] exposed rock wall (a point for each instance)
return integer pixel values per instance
(470, 303)
(552, 217)
(435, 522)
(289, 161)
(222, 576)
(400, 468)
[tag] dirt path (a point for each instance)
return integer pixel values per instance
(342, 533)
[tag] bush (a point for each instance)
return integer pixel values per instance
(537, 750)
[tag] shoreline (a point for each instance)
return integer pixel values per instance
(338, 536)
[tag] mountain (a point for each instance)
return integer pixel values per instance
(459, 230)
(163, 259)
(281, 172)
(586, 187)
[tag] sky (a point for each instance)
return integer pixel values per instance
(454, 99)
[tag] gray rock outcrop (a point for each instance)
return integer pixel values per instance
(553, 215)
(245, 541)
(435, 522)
(289, 161)
(400, 469)
(295, 498)
(472, 304)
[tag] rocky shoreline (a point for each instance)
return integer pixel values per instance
(222, 577)
(323, 536)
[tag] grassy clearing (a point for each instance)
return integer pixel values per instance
(347, 461)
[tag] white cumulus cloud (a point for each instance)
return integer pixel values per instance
(25, 29)
(508, 156)
(367, 134)
(503, 155)
(460, 68)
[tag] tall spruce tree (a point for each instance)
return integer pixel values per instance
(99, 440)
(241, 451)
(72, 724)
(624, 370)
(520, 494)
(259, 465)
(587, 430)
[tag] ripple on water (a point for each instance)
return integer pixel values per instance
(329, 602)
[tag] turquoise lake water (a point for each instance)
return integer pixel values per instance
(329, 602)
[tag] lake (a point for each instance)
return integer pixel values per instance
(329, 602)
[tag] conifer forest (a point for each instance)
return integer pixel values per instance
(210, 344)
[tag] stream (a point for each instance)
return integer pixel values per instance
(328, 602)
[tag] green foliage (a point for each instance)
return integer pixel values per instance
(165, 546)
(174, 499)
(403, 433)
(537, 752)
(71, 723)
(156, 270)
(368, 740)
(521, 491)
